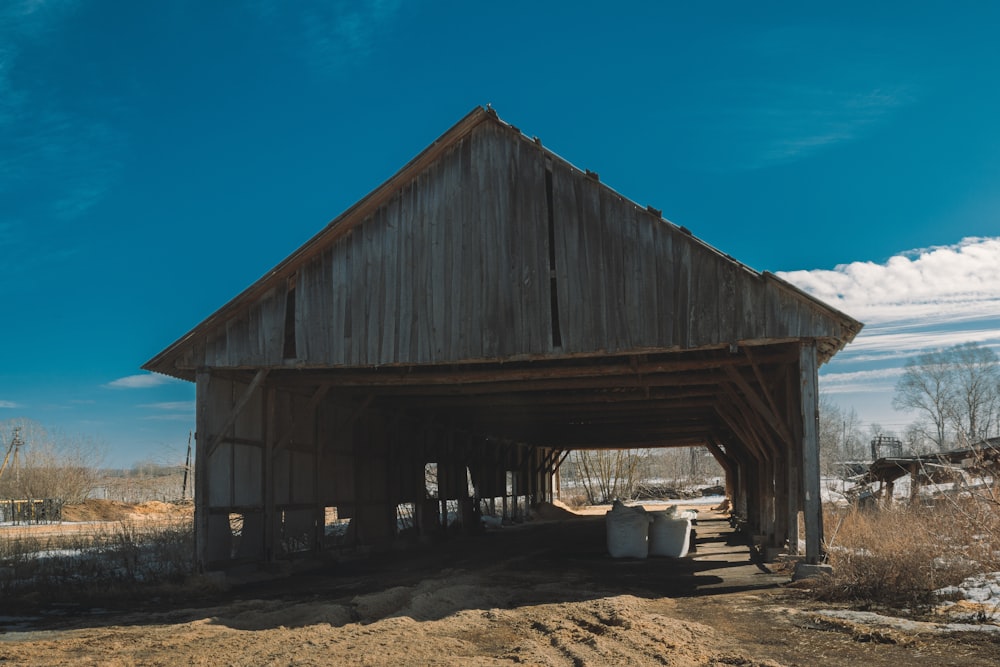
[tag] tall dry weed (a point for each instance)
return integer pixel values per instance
(898, 556)
(110, 563)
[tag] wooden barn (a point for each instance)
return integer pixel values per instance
(485, 311)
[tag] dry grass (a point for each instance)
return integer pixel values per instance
(112, 562)
(897, 557)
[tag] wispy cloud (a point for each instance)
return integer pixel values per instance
(170, 405)
(814, 118)
(768, 123)
(882, 379)
(10, 405)
(796, 91)
(172, 417)
(67, 159)
(335, 34)
(141, 381)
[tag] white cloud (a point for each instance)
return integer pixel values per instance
(10, 405)
(932, 286)
(142, 381)
(914, 302)
(882, 379)
(170, 405)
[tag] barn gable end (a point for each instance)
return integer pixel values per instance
(498, 249)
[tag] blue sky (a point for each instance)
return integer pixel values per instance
(157, 158)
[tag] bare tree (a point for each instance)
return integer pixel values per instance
(607, 474)
(954, 392)
(926, 388)
(50, 465)
(840, 436)
(976, 380)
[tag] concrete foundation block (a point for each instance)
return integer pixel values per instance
(809, 571)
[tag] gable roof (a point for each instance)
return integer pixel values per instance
(488, 247)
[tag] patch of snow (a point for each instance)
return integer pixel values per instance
(981, 590)
(905, 624)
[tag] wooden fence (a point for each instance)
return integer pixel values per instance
(30, 511)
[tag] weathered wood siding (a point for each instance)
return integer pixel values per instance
(456, 266)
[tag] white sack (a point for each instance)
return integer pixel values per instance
(628, 531)
(669, 535)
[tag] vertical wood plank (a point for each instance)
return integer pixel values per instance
(485, 163)
(570, 274)
(391, 268)
(595, 332)
(437, 261)
(203, 411)
(471, 283)
(664, 263)
(645, 259)
(451, 216)
(537, 276)
(612, 280)
(506, 322)
(682, 288)
(406, 303)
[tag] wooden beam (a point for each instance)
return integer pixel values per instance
(758, 404)
(234, 414)
(542, 369)
(313, 403)
(503, 386)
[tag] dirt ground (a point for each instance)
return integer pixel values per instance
(542, 593)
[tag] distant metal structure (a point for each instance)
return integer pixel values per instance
(13, 448)
(885, 446)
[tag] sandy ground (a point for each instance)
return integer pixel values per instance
(95, 515)
(544, 593)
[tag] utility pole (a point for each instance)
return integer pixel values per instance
(187, 468)
(15, 447)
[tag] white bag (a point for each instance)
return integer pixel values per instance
(669, 535)
(628, 531)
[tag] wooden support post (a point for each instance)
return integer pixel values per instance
(203, 380)
(781, 518)
(794, 453)
(271, 528)
(809, 397)
(319, 436)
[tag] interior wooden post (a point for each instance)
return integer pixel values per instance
(203, 380)
(809, 400)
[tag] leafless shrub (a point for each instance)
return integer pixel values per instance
(574, 500)
(49, 465)
(607, 474)
(898, 556)
(111, 563)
